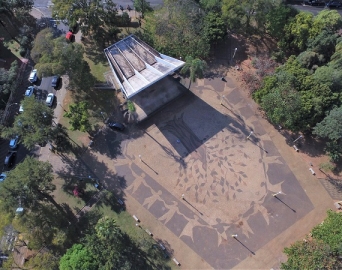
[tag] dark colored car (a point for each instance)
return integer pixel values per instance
(315, 2)
(9, 159)
(55, 81)
(116, 126)
(333, 4)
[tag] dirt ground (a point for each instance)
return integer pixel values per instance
(311, 150)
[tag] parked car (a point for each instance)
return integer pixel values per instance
(116, 126)
(14, 142)
(9, 159)
(3, 177)
(49, 99)
(21, 108)
(55, 81)
(315, 2)
(33, 76)
(29, 91)
(333, 4)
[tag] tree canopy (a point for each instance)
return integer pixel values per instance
(57, 56)
(195, 67)
(321, 251)
(79, 116)
(33, 125)
(177, 29)
(106, 247)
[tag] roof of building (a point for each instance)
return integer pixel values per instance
(136, 65)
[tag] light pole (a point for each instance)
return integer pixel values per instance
(250, 134)
(298, 138)
(222, 97)
(234, 53)
(275, 195)
(61, 106)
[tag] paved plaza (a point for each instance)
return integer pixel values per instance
(198, 147)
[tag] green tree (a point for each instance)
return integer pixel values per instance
(283, 106)
(78, 257)
(106, 228)
(297, 33)
(43, 261)
(92, 16)
(248, 16)
(142, 6)
(79, 116)
(329, 20)
(195, 67)
(214, 27)
(331, 129)
(324, 45)
(57, 56)
(211, 5)
(176, 29)
(277, 18)
(323, 251)
(309, 255)
(33, 125)
(31, 181)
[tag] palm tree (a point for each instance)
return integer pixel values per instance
(195, 66)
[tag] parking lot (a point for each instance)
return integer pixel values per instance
(42, 87)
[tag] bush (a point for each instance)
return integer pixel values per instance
(24, 42)
(327, 166)
(130, 106)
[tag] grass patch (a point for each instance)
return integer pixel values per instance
(98, 69)
(62, 197)
(127, 224)
(99, 101)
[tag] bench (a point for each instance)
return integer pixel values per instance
(338, 205)
(295, 148)
(176, 262)
(312, 171)
(135, 218)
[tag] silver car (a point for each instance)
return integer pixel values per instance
(49, 99)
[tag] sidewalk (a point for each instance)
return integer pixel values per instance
(271, 255)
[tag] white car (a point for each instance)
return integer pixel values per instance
(29, 91)
(33, 76)
(21, 108)
(49, 99)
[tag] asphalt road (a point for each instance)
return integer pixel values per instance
(313, 9)
(44, 6)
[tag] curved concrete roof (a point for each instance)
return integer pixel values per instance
(136, 65)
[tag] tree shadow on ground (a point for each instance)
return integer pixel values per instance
(92, 50)
(85, 171)
(307, 144)
(107, 142)
(87, 222)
